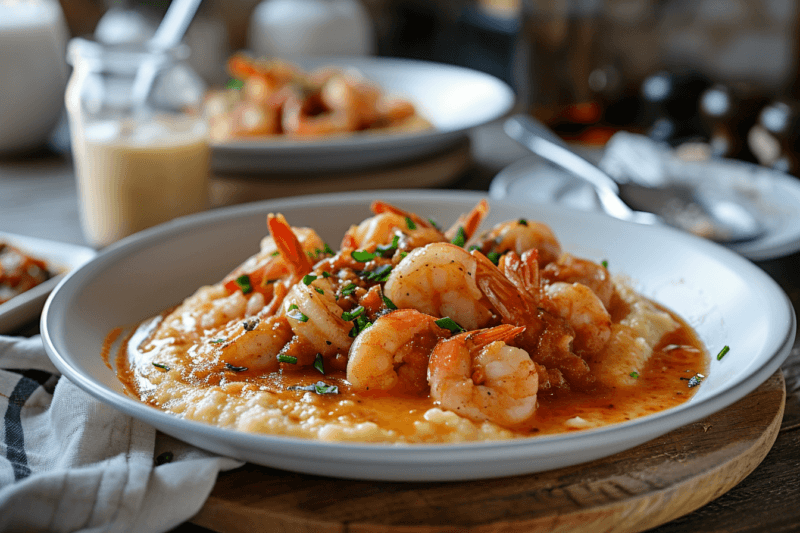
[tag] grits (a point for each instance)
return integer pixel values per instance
(177, 362)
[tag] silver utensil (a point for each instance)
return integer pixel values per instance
(717, 216)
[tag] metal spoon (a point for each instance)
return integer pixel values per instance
(718, 217)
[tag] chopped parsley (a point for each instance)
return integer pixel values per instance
(379, 274)
(275, 253)
(294, 312)
(320, 387)
(450, 324)
(351, 315)
(725, 349)
(243, 282)
(461, 237)
(308, 278)
(162, 366)
(386, 250)
(361, 323)
(410, 223)
(326, 274)
(318, 364)
(319, 290)
(283, 358)
(434, 224)
(604, 263)
(634, 374)
(387, 302)
(362, 256)
(217, 341)
(233, 83)
(349, 289)
(522, 222)
(327, 249)
(236, 368)
(494, 257)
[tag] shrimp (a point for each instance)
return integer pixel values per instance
(253, 343)
(440, 280)
(394, 352)
(520, 236)
(583, 311)
(571, 269)
(477, 375)
(382, 228)
(316, 320)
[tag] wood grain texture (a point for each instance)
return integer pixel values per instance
(631, 491)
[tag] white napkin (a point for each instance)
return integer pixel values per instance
(71, 463)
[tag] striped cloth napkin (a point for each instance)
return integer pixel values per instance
(71, 463)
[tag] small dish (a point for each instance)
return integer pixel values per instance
(724, 297)
(59, 256)
(454, 99)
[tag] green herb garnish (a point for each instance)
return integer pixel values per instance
(410, 223)
(725, 349)
(233, 83)
(361, 323)
(379, 274)
(494, 257)
(387, 302)
(349, 289)
(218, 341)
(461, 237)
(434, 224)
(320, 387)
(283, 358)
(326, 274)
(318, 364)
(162, 366)
(308, 278)
(604, 263)
(295, 313)
(522, 222)
(449, 323)
(388, 249)
(319, 290)
(362, 256)
(634, 374)
(275, 253)
(350, 315)
(243, 282)
(327, 249)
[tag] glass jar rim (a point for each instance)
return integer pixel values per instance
(122, 57)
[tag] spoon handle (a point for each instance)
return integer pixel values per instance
(541, 141)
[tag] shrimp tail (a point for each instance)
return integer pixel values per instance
(469, 222)
(503, 332)
(523, 273)
(505, 297)
(379, 207)
(289, 245)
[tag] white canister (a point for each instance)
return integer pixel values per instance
(33, 71)
(291, 29)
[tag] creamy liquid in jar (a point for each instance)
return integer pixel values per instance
(133, 175)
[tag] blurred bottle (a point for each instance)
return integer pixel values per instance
(669, 106)
(728, 114)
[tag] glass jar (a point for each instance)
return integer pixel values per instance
(139, 160)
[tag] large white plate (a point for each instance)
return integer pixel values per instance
(60, 258)
(727, 299)
(454, 99)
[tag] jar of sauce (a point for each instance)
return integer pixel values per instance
(139, 160)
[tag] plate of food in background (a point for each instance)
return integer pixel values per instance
(251, 367)
(340, 114)
(30, 268)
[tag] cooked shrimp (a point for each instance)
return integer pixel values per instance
(520, 236)
(253, 343)
(382, 228)
(571, 269)
(316, 319)
(468, 222)
(440, 280)
(394, 351)
(583, 311)
(478, 376)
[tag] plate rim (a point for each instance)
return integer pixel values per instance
(373, 454)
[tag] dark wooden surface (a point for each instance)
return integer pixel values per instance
(38, 198)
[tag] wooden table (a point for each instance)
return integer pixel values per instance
(38, 198)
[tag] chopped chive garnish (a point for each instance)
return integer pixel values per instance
(449, 323)
(350, 315)
(310, 255)
(473, 248)
(362, 256)
(326, 274)
(634, 374)
(403, 255)
(725, 349)
(282, 358)
(320, 387)
(604, 263)
(235, 368)
(361, 323)
(461, 237)
(387, 302)
(319, 290)
(388, 249)
(275, 253)
(522, 222)
(308, 278)
(327, 249)
(349, 289)
(162, 366)
(494, 257)
(293, 307)
(410, 223)
(164, 458)
(243, 282)
(217, 341)
(379, 274)
(297, 315)
(233, 83)
(318, 364)
(433, 223)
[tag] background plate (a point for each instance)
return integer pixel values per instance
(727, 299)
(59, 256)
(454, 99)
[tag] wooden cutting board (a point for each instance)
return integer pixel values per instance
(632, 491)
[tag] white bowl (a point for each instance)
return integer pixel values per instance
(727, 299)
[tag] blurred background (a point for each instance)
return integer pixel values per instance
(721, 72)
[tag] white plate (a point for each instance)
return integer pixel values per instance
(59, 256)
(532, 179)
(454, 99)
(727, 299)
